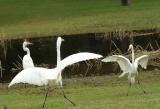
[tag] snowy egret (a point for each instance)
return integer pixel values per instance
(129, 68)
(27, 61)
(48, 77)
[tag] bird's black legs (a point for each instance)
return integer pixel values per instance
(66, 97)
(46, 95)
(140, 85)
(129, 88)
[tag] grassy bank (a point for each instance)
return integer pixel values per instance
(32, 18)
(107, 92)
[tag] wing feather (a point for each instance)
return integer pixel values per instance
(78, 57)
(123, 62)
(39, 76)
(35, 76)
(142, 60)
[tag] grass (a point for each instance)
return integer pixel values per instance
(102, 92)
(32, 18)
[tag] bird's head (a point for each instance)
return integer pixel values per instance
(130, 47)
(25, 43)
(59, 40)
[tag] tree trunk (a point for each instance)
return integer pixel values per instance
(125, 2)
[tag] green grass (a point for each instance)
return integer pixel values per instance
(107, 92)
(32, 18)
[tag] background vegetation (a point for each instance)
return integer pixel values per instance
(31, 18)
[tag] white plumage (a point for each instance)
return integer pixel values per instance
(43, 76)
(126, 66)
(77, 58)
(27, 61)
(40, 76)
(123, 62)
(59, 41)
(142, 60)
(35, 75)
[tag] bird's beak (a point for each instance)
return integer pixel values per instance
(29, 43)
(62, 39)
(129, 48)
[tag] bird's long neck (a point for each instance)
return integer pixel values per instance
(26, 49)
(58, 57)
(58, 52)
(59, 76)
(132, 54)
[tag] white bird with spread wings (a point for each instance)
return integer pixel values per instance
(129, 68)
(43, 77)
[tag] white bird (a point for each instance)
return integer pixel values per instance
(49, 77)
(27, 61)
(129, 68)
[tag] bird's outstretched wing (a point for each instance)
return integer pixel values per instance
(35, 76)
(78, 57)
(142, 60)
(123, 62)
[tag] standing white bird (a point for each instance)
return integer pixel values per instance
(27, 61)
(129, 68)
(42, 76)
